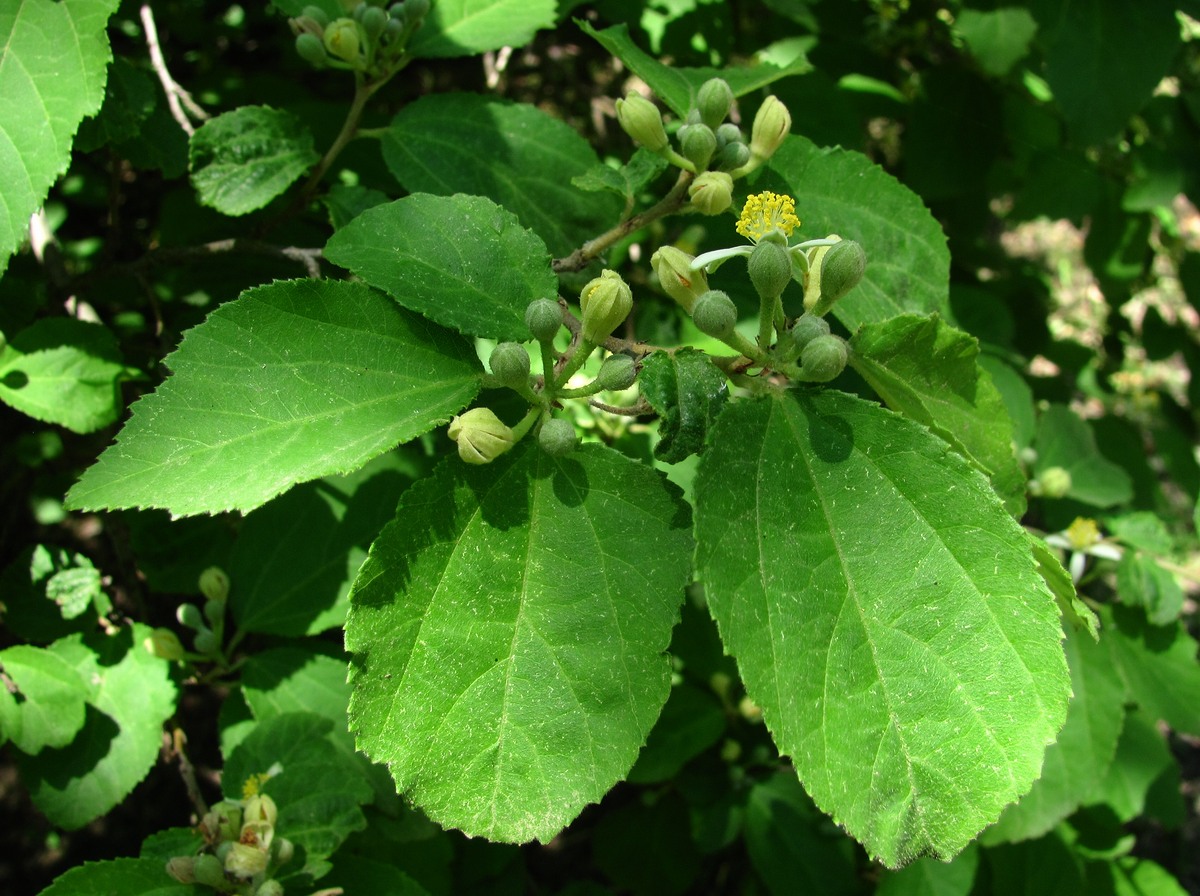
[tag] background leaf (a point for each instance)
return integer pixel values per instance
(241, 160)
(885, 666)
(47, 708)
(292, 381)
(843, 192)
(122, 732)
(462, 261)
(513, 153)
(508, 640)
(925, 369)
(470, 27)
(48, 87)
(1064, 440)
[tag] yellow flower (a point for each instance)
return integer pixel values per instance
(254, 783)
(1083, 533)
(766, 213)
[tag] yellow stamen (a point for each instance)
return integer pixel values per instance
(254, 784)
(766, 212)
(1083, 533)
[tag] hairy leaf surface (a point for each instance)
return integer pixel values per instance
(292, 381)
(885, 612)
(470, 27)
(508, 632)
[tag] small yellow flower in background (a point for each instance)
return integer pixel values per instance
(254, 783)
(1083, 533)
(766, 213)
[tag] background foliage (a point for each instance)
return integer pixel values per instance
(1047, 152)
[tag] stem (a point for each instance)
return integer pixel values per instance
(582, 352)
(767, 308)
(585, 254)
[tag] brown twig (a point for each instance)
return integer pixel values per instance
(177, 97)
(177, 741)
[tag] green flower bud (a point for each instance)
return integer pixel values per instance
(311, 49)
(807, 328)
(770, 268)
(306, 24)
(1052, 482)
(210, 872)
(711, 192)
(604, 302)
(223, 821)
(270, 888)
(164, 644)
(189, 616)
(544, 317)
(642, 121)
(678, 280)
(557, 437)
(360, 8)
(729, 133)
(713, 101)
(205, 643)
(617, 372)
(697, 142)
(416, 10)
(214, 584)
(481, 436)
(214, 612)
(343, 39)
(771, 126)
(396, 10)
(842, 268)
(373, 22)
(317, 14)
(715, 314)
(732, 156)
(182, 868)
(509, 363)
(393, 31)
(259, 809)
(824, 358)
(245, 861)
(283, 849)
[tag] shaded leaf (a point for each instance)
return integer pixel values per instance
(46, 709)
(997, 38)
(1158, 663)
(1064, 440)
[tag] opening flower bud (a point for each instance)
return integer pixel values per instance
(164, 644)
(711, 192)
(697, 142)
(214, 584)
(260, 809)
(642, 121)
(245, 861)
(617, 372)
(841, 269)
(824, 358)
(771, 125)
(713, 101)
(715, 314)
(544, 317)
(310, 48)
(182, 868)
(557, 437)
(678, 280)
(343, 39)
(604, 302)
(509, 363)
(770, 268)
(481, 436)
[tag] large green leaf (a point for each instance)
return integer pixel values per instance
(927, 370)
(508, 632)
(122, 731)
(52, 69)
(885, 612)
(843, 192)
(243, 159)
(65, 371)
(129, 877)
(677, 86)
(47, 707)
(1159, 663)
(997, 38)
(292, 381)
(512, 153)
(459, 260)
(470, 27)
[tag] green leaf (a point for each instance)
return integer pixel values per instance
(122, 731)
(1078, 760)
(929, 877)
(318, 790)
(508, 632)
(1159, 664)
(691, 722)
(627, 180)
(1064, 440)
(688, 393)
(1141, 582)
(882, 625)
(461, 261)
(1073, 608)
(644, 847)
(1142, 759)
(129, 97)
(1042, 867)
(836, 191)
(471, 27)
(997, 38)
(292, 381)
(243, 159)
(1103, 60)
(512, 153)
(927, 370)
(296, 557)
(65, 371)
(46, 709)
(677, 86)
(52, 74)
(129, 877)
(30, 611)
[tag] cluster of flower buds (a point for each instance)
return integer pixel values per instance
(241, 849)
(709, 146)
(209, 624)
(371, 40)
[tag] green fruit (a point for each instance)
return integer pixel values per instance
(824, 358)
(557, 437)
(544, 317)
(715, 314)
